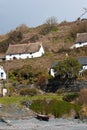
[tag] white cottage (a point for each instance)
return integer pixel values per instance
(23, 51)
(81, 40)
(2, 74)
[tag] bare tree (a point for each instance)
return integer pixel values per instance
(51, 21)
(85, 11)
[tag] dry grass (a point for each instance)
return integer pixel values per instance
(83, 96)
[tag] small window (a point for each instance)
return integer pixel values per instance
(2, 74)
(14, 58)
(80, 43)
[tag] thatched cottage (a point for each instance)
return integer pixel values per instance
(23, 51)
(81, 40)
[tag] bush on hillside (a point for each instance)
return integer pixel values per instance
(22, 28)
(70, 97)
(60, 91)
(66, 71)
(15, 36)
(28, 91)
(4, 46)
(34, 38)
(51, 21)
(47, 29)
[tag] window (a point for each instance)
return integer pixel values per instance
(80, 43)
(1, 74)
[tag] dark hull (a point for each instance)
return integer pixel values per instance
(42, 117)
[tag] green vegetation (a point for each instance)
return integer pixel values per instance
(66, 73)
(13, 37)
(27, 76)
(22, 74)
(19, 99)
(67, 70)
(48, 28)
(54, 107)
(50, 104)
(11, 100)
(70, 96)
(3, 46)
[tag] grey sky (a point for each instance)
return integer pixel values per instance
(35, 12)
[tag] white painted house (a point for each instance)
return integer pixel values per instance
(2, 74)
(81, 40)
(23, 51)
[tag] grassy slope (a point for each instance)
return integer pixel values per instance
(19, 99)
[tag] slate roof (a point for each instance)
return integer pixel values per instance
(23, 48)
(54, 64)
(81, 37)
(82, 60)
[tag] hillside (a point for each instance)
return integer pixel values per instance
(56, 40)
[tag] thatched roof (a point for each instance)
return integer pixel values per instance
(23, 48)
(81, 37)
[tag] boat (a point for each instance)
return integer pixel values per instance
(42, 117)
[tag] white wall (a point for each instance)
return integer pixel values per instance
(52, 73)
(84, 67)
(4, 91)
(2, 73)
(77, 45)
(39, 53)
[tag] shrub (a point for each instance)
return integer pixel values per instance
(60, 91)
(15, 36)
(51, 21)
(28, 91)
(3, 46)
(70, 97)
(48, 28)
(11, 90)
(34, 38)
(42, 80)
